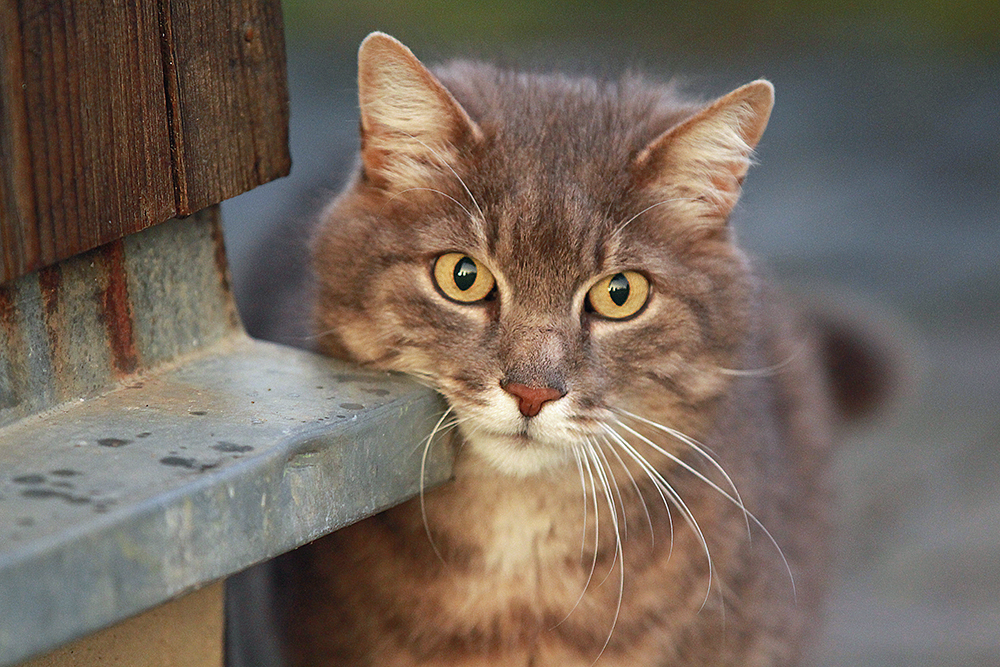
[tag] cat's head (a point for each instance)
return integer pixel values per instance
(545, 251)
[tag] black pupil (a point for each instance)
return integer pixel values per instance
(465, 273)
(618, 289)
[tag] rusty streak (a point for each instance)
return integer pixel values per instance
(117, 310)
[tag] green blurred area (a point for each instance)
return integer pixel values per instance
(727, 28)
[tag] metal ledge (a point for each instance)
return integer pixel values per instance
(188, 474)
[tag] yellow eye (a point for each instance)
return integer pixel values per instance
(619, 295)
(462, 278)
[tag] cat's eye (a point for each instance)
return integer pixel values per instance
(619, 295)
(462, 278)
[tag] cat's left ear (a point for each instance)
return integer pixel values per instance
(700, 163)
(412, 128)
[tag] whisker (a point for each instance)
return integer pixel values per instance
(694, 445)
(625, 224)
(737, 501)
(583, 485)
(423, 479)
(614, 486)
(439, 430)
(445, 163)
(657, 478)
(635, 486)
(602, 476)
(443, 194)
(584, 459)
(766, 371)
(619, 555)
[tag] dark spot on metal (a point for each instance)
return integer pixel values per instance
(136, 385)
(352, 406)
(113, 442)
(179, 461)
(144, 434)
(25, 522)
(100, 507)
(341, 416)
(29, 479)
(52, 493)
(189, 463)
(65, 472)
(64, 485)
(200, 413)
(224, 446)
(378, 392)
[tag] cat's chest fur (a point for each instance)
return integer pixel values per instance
(511, 574)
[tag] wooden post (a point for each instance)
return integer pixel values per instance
(120, 114)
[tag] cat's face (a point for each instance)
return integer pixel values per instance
(556, 257)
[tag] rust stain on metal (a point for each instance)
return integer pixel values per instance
(117, 309)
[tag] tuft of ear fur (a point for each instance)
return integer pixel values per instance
(700, 163)
(411, 126)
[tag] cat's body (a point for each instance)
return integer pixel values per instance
(553, 255)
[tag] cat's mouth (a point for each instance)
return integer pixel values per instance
(523, 447)
(518, 454)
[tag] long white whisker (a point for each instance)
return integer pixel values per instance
(423, 473)
(675, 499)
(638, 492)
(583, 485)
(614, 486)
(766, 371)
(737, 501)
(584, 459)
(698, 448)
(605, 484)
(619, 555)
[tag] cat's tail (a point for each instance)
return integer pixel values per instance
(872, 357)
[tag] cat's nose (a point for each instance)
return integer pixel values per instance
(531, 399)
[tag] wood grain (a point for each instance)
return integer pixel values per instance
(118, 115)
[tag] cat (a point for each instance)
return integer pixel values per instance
(640, 424)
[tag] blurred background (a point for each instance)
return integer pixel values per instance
(877, 190)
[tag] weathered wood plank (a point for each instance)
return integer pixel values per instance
(231, 100)
(90, 158)
(121, 114)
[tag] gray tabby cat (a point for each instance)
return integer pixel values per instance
(640, 427)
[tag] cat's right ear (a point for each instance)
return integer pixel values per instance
(699, 165)
(412, 128)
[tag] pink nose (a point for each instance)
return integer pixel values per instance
(531, 399)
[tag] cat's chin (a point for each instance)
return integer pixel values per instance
(518, 456)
